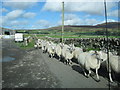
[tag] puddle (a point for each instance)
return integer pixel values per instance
(7, 59)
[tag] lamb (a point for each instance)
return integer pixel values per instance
(89, 61)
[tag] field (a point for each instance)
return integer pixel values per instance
(70, 36)
(71, 32)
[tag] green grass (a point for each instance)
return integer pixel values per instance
(23, 46)
(89, 49)
(84, 36)
(70, 36)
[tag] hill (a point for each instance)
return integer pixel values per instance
(109, 25)
(76, 28)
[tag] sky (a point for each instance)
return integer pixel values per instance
(29, 14)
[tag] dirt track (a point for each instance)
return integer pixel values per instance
(34, 69)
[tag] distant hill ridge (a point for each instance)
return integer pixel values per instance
(69, 27)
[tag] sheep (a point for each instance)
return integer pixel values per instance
(114, 63)
(67, 53)
(68, 56)
(63, 52)
(35, 46)
(64, 47)
(44, 46)
(51, 49)
(39, 45)
(89, 61)
(77, 51)
(58, 50)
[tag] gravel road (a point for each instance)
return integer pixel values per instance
(28, 70)
(34, 69)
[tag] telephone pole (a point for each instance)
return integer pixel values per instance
(108, 66)
(62, 21)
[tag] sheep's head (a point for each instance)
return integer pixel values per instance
(97, 56)
(102, 55)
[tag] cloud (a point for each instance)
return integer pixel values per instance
(3, 10)
(15, 22)
(21, 1)
(73, 19)
(114, 13)
(50, 6)
(19, 5)
(14, 18)
(29, 15)
(14, 14)
(43, 23)
(109, 20)
(91, 21)
(96, 8)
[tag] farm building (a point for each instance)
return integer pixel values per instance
(5, 31)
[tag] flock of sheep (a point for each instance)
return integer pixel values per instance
(88, 60)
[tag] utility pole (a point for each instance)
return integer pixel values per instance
(62, 21)
(108, 66)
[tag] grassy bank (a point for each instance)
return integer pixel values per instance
(23, 46)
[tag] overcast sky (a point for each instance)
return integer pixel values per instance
(35, 15)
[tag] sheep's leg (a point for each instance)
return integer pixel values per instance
(70, 62)
(51, 55)
(97, 75)
(89, 73)
(59, 58)
(67, 61)
(84, 71)
(109, 71)
(110, 77)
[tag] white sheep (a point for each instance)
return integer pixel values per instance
(58, 50)
(88, 61)
(44, 44)
(68, 56)
(77, 51)
(51, 49)
(114, 63)
(35, 46)
(64, 48)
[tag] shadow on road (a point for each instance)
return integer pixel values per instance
(78, 69)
